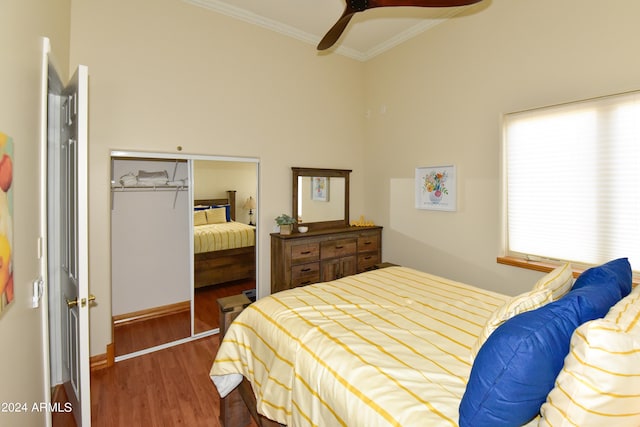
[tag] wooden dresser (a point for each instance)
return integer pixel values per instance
(300, 259)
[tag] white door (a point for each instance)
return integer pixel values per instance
(68, 237)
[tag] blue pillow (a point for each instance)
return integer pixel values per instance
(620, 268)
(517, 366)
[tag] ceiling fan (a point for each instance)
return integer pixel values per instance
(355, 6)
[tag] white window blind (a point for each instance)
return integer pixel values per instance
(572, 178)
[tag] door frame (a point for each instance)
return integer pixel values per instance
(47, 290)
(41, 291)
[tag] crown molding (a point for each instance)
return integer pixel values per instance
(270, 24)
(287, 30)
(409, 33)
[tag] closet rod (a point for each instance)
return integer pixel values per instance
(149, 188)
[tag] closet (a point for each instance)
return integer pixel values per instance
(154, 303)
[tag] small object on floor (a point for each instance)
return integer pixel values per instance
(233, 303)
(384, 265)
(251, 294)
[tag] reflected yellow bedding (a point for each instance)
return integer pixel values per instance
(226, 235)
(388, 347)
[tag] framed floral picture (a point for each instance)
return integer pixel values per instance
(320, 188)
(436, 188)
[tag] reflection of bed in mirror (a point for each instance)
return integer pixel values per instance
(224, 250)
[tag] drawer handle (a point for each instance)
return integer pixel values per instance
(304, 270)
(367, 243)
(367, 257)
(305, 253)
(339, 247)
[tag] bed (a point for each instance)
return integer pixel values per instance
(224, 250)
(401, 347)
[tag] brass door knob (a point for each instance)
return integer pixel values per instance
(83, 301)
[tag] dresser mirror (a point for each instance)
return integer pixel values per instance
(321, 197)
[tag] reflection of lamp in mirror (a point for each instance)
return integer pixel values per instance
(250, 204)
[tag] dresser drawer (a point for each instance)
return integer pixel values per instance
(338, 248)
(368, 243)
(305, 252)
(367, 261)
(300, 259)
(305, 274)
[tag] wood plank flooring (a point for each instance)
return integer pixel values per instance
(152, 332)
(139, 335)
(167, 388)
(170, 387)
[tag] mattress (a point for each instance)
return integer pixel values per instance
(388, 347)
(226, 235)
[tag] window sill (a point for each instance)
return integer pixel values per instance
(544, 267)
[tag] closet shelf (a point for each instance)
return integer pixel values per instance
(163, 187)
(120, 188)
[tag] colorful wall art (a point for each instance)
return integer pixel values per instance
(6, 222)
(436, 188)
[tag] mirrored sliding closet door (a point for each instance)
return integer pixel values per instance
(183, 235)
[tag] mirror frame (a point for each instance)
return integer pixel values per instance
(297, 172)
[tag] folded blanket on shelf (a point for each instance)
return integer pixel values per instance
(149, 179)
(128, 179)
(153, 178)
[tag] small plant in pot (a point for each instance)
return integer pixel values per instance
(286, 223)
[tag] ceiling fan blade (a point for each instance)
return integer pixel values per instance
(370, 4)
(355, 6)
(335, 32)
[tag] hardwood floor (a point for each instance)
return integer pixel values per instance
(61, 418)
(170, 387)
(149, 333)
(167, 388)
(139, 335)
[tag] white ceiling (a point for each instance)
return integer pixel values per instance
(369, 33)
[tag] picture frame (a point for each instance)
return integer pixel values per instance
(435, 188)
(320, 188)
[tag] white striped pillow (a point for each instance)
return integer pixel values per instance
(516, 305)
(560, 281)
(599, 384)
(625, 313)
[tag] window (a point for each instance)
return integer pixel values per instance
(572, 181)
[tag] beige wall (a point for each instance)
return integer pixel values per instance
(172, 74)
(165, 73)
(444, 93)
(212, 179)
(24, 22)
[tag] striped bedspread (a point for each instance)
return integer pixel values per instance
(388, 347)
(226, 235)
